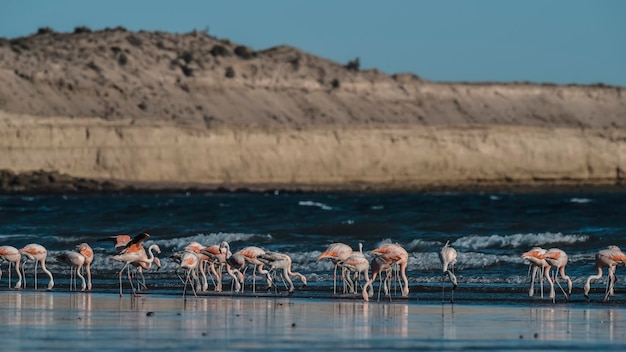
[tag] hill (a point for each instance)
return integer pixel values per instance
(158, 110)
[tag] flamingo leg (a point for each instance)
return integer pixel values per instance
(36, 275)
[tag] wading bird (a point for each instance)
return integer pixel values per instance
(234, 265)
(38, 254)
(145, 263)
(87, 252)
(393, 255)
(13, 256)
(379, 265)
(216, 256)
(190, 261)
(133, 252)
(250, 254)
(539, 265)
(76, 261)
(281, 261)
(606, 258)
(337, 252)
(447, 256)
(356, 264)
(557, 259)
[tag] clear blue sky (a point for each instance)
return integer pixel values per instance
(559, 41)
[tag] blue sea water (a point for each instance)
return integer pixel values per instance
(489, 230)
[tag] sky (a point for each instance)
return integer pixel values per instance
(543, 41)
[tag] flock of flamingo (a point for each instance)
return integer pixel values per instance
(198, 260)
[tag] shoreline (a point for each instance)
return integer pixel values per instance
(43, 182)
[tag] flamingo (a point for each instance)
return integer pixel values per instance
(38, 254)
(447, 256)
(357, 264)
(76, 261)
(391, 254)
(609, 258)
(234, 264)
(216, 256)
(133, 252)
(557, 259)
(13, 256)
(283, 262)
(250, 254)
(337, 252)
(145, 263)
(197, 248)
(87, 252)
(190, 262)
(537, 261)
(378, 265)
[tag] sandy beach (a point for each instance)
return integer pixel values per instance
(78, 321)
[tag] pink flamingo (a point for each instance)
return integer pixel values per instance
(606, 258)
(87, 252)
(145, 263)
(378, 265)
(250, 254)
(337, 252)
(357, 264)
(38, 254)
(537, 261)
(204, 259)
(133, 252)
(281, 261)
(391, 255)
(216, 256)
(76, 261)
(13, 256)
(190, 261)
(234, 264)
(557, 259)
(447, 256)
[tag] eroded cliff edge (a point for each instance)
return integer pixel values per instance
(160, 110)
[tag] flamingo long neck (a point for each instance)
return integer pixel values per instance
(592, 277)
(151, 254)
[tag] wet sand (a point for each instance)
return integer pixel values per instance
(80, 321)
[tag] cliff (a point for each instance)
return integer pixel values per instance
(160, 110)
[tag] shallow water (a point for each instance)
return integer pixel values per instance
(79, 321)
(489, 231)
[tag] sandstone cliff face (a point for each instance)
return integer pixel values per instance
(168, 109)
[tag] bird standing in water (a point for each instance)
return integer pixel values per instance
(447, 256)
(557, 259)
(538, 265)
(38, 254)
(13, 256)
(388, 256)
(133, 252)
(337, 252)
(606, 258)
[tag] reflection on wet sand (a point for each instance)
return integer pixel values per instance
(33, 320)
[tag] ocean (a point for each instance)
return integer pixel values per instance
(490, 231)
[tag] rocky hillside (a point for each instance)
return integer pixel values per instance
(157, 108)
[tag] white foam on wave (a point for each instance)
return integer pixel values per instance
(426, 261)
(309, 203)
(204, 239)
(68, 239)
(580, 200)
(417, 245)
(517, 240)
